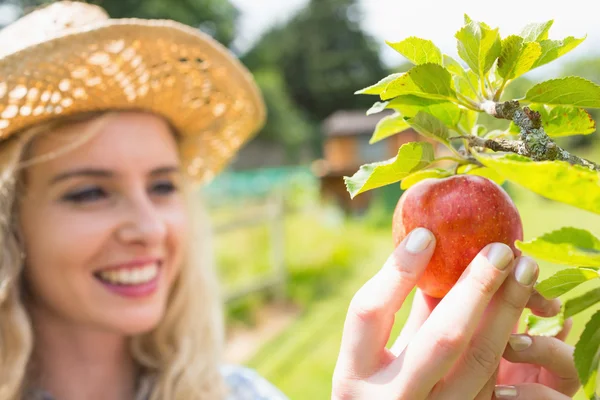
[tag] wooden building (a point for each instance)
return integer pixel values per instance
(346, 148)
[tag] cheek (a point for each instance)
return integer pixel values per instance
(60, 249)
(179, 230)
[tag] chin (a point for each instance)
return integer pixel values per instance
(133, 321)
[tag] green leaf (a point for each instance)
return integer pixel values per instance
(517, 57)
(380, 86)
(417, 50)
(587, 356)
(570, 91)
(429, 126)
(536, 31)
(426, 80)
(578, 304)
(409, 105)
(418, 176)
(378, 107)
(388, 126)
(565, 121)
(488, 173)
(539, 326)
(569, 246)
(468, 120)
(559, 121)
(452, 65)
(565, 280)
(411, 157)
(479, 46)
(556, 180)
(467, 84)
(553, 49)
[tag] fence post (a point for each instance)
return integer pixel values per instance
(277, 216)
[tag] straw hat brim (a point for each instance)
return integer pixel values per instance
(132, 64)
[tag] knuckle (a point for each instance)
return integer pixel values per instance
(401, 268)
(365, 307)
(485, 284)
(515, 300)
(482, 356)
(448, 344)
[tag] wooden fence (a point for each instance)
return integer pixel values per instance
(272, 213)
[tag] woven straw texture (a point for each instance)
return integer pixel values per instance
(70, 58)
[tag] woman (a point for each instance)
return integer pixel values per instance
(106, 290)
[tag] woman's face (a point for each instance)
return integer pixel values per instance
(105, 225)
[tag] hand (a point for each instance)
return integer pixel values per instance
(455, 350)
(538, 367)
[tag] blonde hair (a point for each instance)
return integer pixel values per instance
(180, 356)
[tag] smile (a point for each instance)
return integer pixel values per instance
(130, 276)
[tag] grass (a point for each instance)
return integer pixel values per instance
(328, 265)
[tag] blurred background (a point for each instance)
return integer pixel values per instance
(292, 248)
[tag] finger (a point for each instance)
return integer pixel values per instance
(543, 307)
(567, 325)
(488, 389)
(444, 336)
(554, 355)
(528, 391)
(484, 352)
(422, 306)
(371, 312)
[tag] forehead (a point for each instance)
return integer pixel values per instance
(124, 140)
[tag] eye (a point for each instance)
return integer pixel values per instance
(87, 195)
(163, 188)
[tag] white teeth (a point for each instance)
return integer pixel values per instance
(131, 276)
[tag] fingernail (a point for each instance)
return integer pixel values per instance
(519, 342)
(526, 271)
(418, 240)
(505, 392)
(500, 255)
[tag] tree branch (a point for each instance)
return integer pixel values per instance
(533, 141)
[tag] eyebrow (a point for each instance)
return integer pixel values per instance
(105, 173)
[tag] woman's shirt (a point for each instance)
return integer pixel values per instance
(243, 383)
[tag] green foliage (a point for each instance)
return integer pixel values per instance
(587, 356)
(323, 55)
(411, 157)
(569, 91)
(517, 57)
(565, 280)
(578, 304)
(544, 326)
(216, 17)
(286, 124)
(556, 180)
(418, 51)
(561, 121)
(429, 126)
(479, 46)
(418, 176)
(444, 101)
(570, 246)
(426, 80)
(389, 126)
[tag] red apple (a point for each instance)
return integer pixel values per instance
(465, 213)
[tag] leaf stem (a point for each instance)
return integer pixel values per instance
(500, 90)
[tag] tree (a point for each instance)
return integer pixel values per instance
(442, 100)
(216, 17)
(323, 54)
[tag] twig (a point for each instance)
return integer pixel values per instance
(533, 141)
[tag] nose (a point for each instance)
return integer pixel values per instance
(143, 223)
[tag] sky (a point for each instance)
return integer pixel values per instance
(438, 20)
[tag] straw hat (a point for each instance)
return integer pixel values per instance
(69, 57)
